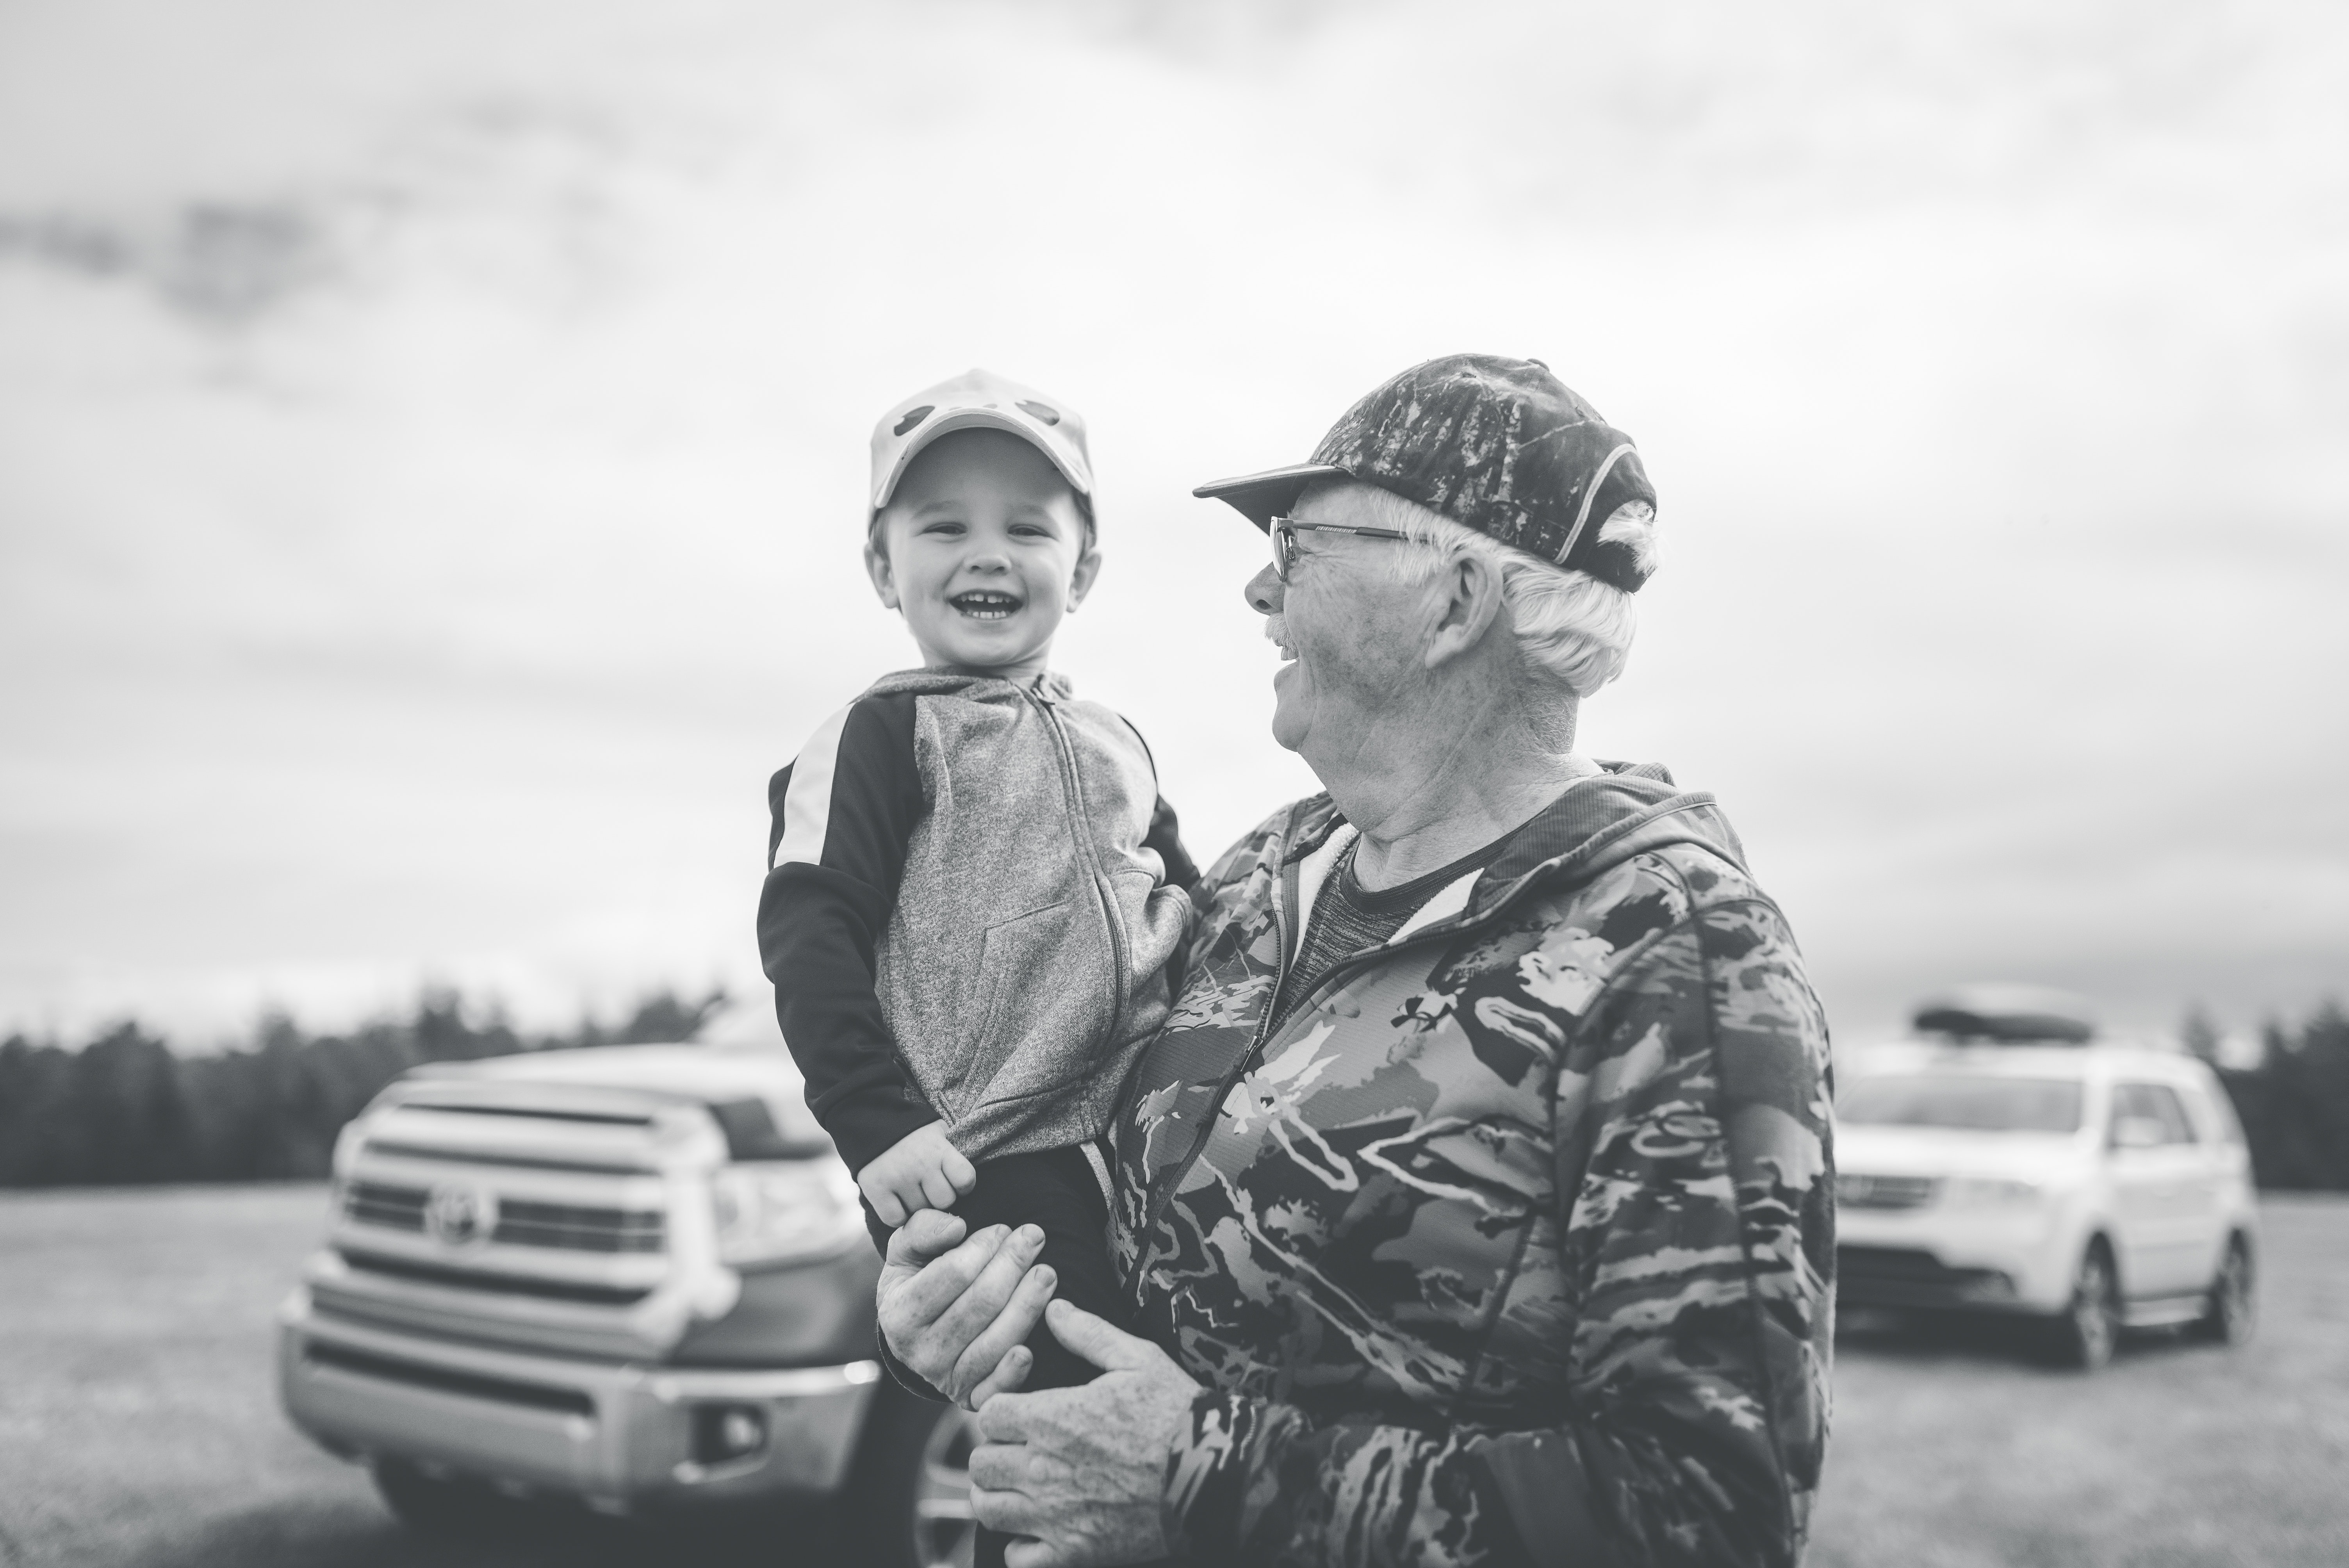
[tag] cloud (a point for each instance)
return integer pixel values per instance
(219, 265)
(430, 444)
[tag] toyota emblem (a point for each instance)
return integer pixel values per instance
(458, 1214)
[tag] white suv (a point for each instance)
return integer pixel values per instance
(2096, 1186)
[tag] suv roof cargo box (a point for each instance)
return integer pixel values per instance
(2037, 1015)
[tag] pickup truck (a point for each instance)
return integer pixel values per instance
(635, 1277)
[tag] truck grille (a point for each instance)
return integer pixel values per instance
(1855, 1190)
(537, 1215)
(489, 1281)
(522, 1221)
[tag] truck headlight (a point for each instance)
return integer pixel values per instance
(1990, 1193)
(776, 1211)
(347, 1146)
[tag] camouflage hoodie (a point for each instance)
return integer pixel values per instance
(1514, 1242)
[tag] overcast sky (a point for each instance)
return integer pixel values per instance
(432, 434)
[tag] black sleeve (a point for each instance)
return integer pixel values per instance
(1165, 836)
(836, 852)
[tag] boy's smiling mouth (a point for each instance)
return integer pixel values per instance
(986, 604)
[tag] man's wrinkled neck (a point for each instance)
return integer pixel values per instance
(1445, 777)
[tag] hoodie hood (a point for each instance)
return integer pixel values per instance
(1597, 823)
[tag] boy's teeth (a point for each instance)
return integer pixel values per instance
(984, 605)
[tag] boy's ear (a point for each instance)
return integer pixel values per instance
(876, 566)
(1080, 581)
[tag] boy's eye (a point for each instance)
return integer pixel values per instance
(944, 525)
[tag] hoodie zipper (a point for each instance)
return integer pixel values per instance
(1082, 820)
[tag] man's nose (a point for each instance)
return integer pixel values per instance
(1265, 591)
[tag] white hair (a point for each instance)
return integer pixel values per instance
(1572, 630)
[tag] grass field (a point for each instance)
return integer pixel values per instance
(138, 1427)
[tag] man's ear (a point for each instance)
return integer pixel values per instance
(1466, 599)
(1080, 581)
(876, 566)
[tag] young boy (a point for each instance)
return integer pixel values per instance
(974, 889)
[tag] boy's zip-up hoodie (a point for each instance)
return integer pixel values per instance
(974, 889)
(1512, 1240)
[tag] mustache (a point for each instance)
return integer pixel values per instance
(1275, 629)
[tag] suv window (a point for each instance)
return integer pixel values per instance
(1973, 1101)
(2218, 1114)
(2156, 1102)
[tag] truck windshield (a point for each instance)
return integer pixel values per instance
(1976, 1104)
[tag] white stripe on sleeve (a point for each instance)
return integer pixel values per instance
(807, 799)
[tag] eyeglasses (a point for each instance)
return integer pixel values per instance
(1285, 531)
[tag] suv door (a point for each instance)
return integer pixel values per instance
(2225, 1182)
(2165, 1196)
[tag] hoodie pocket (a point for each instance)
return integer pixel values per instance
(1017, 958)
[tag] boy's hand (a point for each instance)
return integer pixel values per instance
(920, 1170)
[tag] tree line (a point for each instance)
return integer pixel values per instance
(2294, 1106)
(126, 1109)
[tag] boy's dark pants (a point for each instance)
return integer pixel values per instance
(1057, 1191)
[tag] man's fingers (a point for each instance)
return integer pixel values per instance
(978, 1304)
(931, 1318)
(999, 1467)
(1097, 1340)
(916, 1290)
(1019, 1418)
(1012, 1512)
(1009, 1375)
(922, 1237)
(1030, 1554)
(1010, 1328)
(940, 1279)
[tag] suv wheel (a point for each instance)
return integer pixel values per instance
(2230, 1311)
(448, 1509)
(2091, 1326)
(908, 1501)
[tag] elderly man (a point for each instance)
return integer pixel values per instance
(1474, 1204)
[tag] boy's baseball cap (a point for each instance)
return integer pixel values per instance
(1497, 445)
(979, 400)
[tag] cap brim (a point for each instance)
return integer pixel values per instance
(978, 419)
(1262, 497)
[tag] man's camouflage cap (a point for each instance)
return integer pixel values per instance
(1497, 445)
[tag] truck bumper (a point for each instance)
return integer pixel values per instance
(619, 1437)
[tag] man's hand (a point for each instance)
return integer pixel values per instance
(920, 1170)
(953, 1308)
(1082, 1469)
